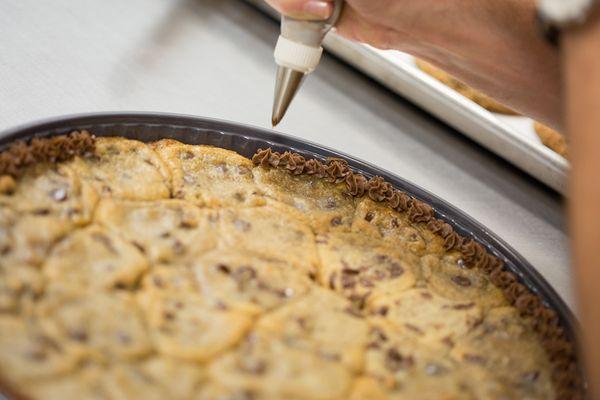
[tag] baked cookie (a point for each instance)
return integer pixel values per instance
(210, 176)
(506, 346)
(552, 139)
(27, 238)
(326, 206)
(186, 326)
(164, 231)
(124, 169)
(51, 190)
(334, 333)
(97, 257)
(270, 232)
(357, 266)
(450, 278)
(29, 352)
(429, 317)
(106, 326)
(247, 281)
(279, 371)
(483, 100)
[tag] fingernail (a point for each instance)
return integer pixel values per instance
(319, 9)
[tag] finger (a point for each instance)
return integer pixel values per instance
(303, 9)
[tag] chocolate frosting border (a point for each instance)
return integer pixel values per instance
(21, 154)
(546, 322)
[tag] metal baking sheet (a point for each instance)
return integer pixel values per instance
(511, 137)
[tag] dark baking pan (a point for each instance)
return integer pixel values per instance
(246, 140)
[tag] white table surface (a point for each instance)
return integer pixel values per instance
(214, 58)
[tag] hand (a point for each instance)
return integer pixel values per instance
(470, 39)
(362, 20)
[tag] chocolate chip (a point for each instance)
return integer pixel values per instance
(223, 268)
(380, 336)
(434, 369)
(41, 211)
(36, 355)
(186, 155)
(461, 280)
(369, 217)
(168, 315)
(530, 377)
(329, 356)
(415, 329)
(336, 221)
(383, 311)
(243, 276)
(242, 225)
(178, 247)
(394, 361)
(353, 311)
(188, 224)
(79, 335)
(348, 281)
(474, 358)
(396, 270)
(332, 279)
(378, 274)
(158, 282)
(350, 271)
(239, 197)
(105, 240)
(139, 246)
(123, 338)
(466, 306)
(251, 366)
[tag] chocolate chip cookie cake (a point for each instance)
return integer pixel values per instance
(173, 271)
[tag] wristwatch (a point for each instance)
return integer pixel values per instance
(557, 15)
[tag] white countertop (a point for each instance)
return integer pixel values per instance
(214, 58)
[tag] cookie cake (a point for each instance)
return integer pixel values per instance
(165, 270)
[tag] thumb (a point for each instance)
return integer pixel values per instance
(303, 9)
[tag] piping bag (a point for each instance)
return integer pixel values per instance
(297, 54)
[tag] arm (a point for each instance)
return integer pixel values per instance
(493, 46)
(581, 60)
